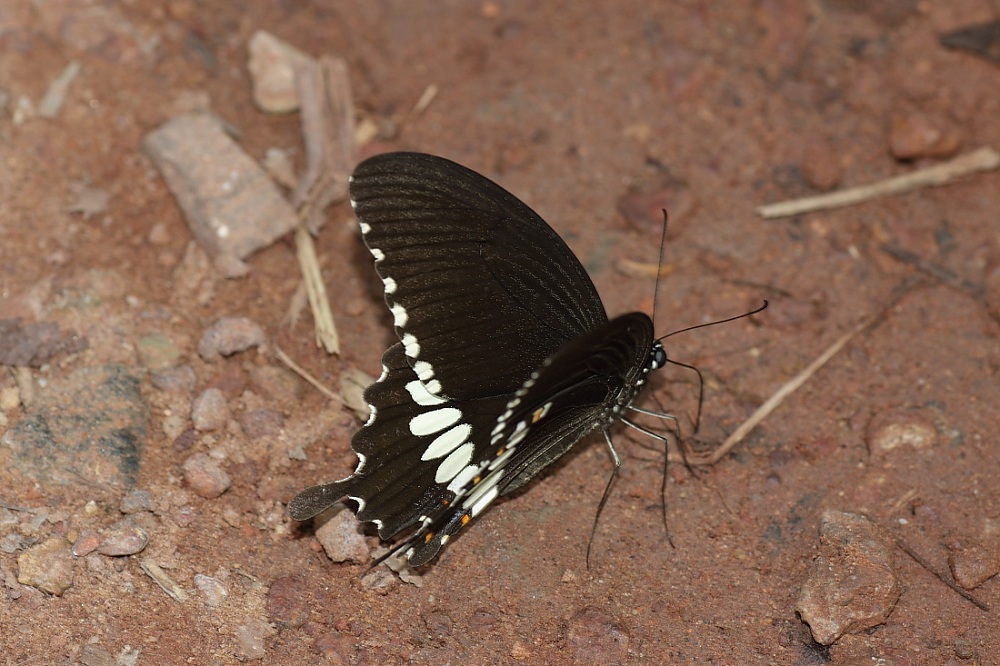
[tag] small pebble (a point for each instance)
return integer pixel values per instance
(12, 542)
(343, 540)
(10, 398)
(287, 601)
(335, 648)
(964, 649)
(157, 352)
(228, 336)
(205, 476)
(973, 564)
(231, 516)
(92, 655)
(520, 651)
(272, 67)
(174, 425)
(250, 639)
(261, 423)
(820, 164)
(185, 440)
(276, 383)
(158, 234)
(184, 515)
(484, 620)
(135, 501)
(86, 543)
(212, 589)
(380, 580)
(230, 266)
(47, 566)
(916, 135)
(439, 624)
(643, 209)
(406, 573)
(179, 379)
(595, 637)
(231, 380)
(891, 429)
(210, 410)
(279, 165)
(852, 584)
(123, 538)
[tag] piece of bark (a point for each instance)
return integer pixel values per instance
(231, 206)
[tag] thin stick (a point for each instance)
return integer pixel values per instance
(160, 577)
(301, 372)
(937, 272)
(328, 132)
(779, 396)
(790, 387)
(319, 303)
(983, 159)
(430, 92)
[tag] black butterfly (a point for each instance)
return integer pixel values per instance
(506, 356)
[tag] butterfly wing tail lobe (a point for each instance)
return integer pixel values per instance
(317, 499)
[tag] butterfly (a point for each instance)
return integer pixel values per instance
(506, 357)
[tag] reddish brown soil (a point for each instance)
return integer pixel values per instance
(708, 108)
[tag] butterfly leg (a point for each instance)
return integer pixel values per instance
(666, 458)
(607, 490)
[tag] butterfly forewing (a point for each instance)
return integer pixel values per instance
(482, 286)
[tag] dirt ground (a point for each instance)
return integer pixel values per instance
(596, 114)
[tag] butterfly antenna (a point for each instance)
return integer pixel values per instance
(701, 378)
(713, 323)
(659, 263)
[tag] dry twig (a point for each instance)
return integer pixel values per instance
(160, 577)
(983, 159)
(328, 132)
(301, 372)
(801, 378)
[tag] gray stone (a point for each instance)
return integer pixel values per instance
(88, 428)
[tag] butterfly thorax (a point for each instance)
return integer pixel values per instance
(657, 359)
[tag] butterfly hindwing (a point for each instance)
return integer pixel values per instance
(580, 389)
(414, 446)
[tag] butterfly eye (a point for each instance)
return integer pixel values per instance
(659, 356)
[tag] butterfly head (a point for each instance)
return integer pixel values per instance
(658, 356)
